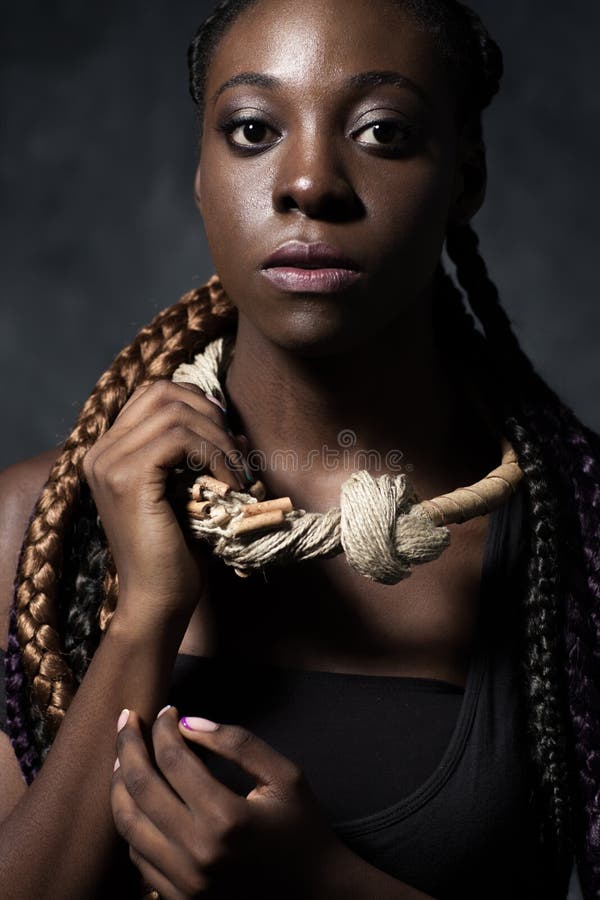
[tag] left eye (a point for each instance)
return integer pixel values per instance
(386, 134)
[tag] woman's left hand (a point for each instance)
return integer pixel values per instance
(191, 836)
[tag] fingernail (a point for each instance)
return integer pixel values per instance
(116, 765)
(163, 710)
(193, 723)
(122, 719)
(218, 403)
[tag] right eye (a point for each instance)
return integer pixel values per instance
(249, 132)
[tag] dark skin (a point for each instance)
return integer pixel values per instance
(320, 175)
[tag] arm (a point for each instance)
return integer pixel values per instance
(353, 878)
(67, 807)
(57, 838)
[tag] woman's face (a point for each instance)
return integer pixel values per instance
(315, 146)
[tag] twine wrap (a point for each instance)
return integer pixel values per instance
(381, 525)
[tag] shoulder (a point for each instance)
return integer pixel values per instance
(20, 485)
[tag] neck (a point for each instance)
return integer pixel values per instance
(388, 405)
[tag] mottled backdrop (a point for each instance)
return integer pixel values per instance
(99, 228)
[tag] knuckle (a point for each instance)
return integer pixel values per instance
(179, 433)
(169, 757)
(295, 776)
(239, 739)
(118, 480)
(176, 412)
(161, 388)
(137, 783)
(126, 823)
(233, 821)
(137, 859)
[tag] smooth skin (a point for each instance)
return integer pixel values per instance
(304, 369)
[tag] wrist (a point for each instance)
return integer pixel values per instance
(131, 630)
(337, 875)
(347, 876)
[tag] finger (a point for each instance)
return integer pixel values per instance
(216, 448)
(187, 774)
(146, 841)
(154, 395)
(151, 794)
(252, 754)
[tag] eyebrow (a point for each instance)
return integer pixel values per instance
(373, 78)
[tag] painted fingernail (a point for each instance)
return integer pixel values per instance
(194, 723)
(116, 765)
(218, 403)
(122, 719)
(163, 710)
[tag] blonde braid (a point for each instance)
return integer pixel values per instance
(170, 339)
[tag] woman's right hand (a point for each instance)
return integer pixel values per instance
(162, 573)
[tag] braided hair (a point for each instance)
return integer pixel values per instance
(66, 586)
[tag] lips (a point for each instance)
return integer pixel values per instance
(298, 255)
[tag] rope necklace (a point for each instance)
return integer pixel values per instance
(381, 524)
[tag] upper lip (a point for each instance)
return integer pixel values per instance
(310, 256)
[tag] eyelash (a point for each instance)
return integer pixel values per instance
(232, 125)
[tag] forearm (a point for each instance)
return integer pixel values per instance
(60, 840)
(351, 877)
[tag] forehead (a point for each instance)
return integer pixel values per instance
(319, 43)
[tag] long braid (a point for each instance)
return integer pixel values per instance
(155, 353)
(544, 604)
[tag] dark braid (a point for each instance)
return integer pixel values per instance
(82, 593)
(543, 656)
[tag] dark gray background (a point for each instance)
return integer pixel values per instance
(100, 230)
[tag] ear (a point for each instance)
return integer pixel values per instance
(197, 189)
(470, 182)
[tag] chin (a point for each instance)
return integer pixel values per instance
(314, 332)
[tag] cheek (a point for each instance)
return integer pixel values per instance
(415, 205)
(234, 213)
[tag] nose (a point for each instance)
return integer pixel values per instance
(311, 178)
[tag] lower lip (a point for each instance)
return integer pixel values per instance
(316, 281)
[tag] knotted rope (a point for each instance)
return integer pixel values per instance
(381, 525)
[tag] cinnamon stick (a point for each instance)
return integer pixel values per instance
(255, 523)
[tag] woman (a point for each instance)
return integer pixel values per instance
(463, 697)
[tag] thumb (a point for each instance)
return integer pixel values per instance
(270, 768)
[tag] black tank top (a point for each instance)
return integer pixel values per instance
(424, 780)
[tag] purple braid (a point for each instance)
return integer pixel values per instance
(19, 730)
(16, 715)
(579, 461)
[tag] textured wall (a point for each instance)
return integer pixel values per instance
(100, 230)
